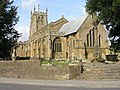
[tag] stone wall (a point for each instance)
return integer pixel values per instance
(33, 70)
(74, 70)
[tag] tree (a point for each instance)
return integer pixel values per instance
(107, 12)
(8, 20)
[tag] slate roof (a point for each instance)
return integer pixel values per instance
(73, 25)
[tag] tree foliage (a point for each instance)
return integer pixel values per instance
(108, 13)
(8, 20)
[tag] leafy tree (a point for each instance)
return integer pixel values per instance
(8, 35)
(108, 13)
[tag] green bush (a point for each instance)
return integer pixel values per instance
(100, 60)
(92, 60)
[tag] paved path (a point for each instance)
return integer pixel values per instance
(63, 83)
(33, 87)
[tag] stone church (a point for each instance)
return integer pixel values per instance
(62, 39)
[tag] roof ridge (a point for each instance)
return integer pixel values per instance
(73, 25)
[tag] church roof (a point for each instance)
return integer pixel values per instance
(73, 25)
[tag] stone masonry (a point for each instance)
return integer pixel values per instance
(63, 39)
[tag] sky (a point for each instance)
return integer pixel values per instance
(71, 9)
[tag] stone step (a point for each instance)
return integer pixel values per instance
(100, 65)
(98, 78)
(103, 67)
(102, 74)
(100, 68)
(99, 72)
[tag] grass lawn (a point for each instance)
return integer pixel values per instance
(56, 63)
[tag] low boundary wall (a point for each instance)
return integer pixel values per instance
(31, 69)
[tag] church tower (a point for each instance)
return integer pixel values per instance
(38, 20)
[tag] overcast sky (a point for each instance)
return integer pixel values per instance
(71, 9)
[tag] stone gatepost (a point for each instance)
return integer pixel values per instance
(75, 69)
(13, 54)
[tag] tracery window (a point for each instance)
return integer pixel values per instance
(91, 39)
(57, 45)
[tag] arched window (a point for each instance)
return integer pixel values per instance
(57, 47)
(42, 19)
(99, 40)
(90, 39)
(93, 37)
(87, 40)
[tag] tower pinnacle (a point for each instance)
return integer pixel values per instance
(34, 8)
(62, 16)
(46, 10)
(38, 8)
